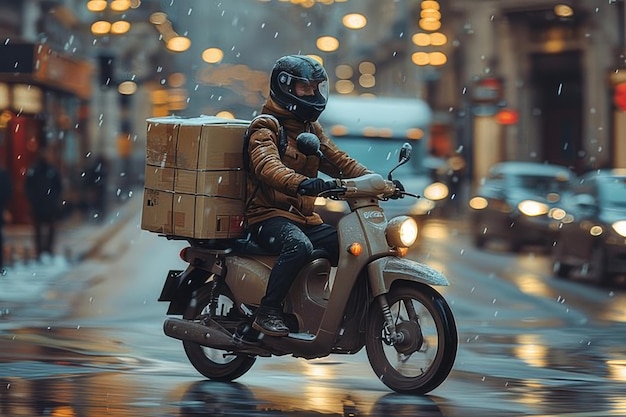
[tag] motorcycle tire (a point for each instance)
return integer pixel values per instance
(424, 358)
(215, 364)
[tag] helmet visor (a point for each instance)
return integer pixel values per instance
(303, 89)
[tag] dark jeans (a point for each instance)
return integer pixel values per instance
(44, 235)
(295, 244)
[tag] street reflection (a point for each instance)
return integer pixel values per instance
(532, 284)
(532, 350)
(69, 395)
(617, 369)
(210, 398)
(614, 309)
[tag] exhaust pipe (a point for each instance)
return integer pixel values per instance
(210, 335)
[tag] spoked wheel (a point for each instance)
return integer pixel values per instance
(216, 364)
(424, 356)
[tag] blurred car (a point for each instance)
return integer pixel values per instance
(372, 131)
(519, 202)
(592, 236)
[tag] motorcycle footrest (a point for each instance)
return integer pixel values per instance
(301, 336)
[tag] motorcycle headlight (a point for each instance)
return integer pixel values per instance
(533, 208)
(401, 232)
(620, 227)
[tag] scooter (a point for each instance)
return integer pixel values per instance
(375, 297)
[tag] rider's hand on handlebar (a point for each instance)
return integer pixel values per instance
(315, 186)
(399, 190)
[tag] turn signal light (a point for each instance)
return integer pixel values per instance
(402, 251)
(355, 249)
(183, 254)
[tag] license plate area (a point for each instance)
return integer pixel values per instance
(171, 285)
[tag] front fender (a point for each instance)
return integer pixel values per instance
(384, 271)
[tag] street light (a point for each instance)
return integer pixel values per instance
(120, 27)
(178, 44)
(96, 5)
(327, 43)
(354, 21)
(212, 55)
(101, 27)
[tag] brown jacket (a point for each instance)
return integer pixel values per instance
(273, 182)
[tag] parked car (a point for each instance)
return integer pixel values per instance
(519, 202)
(592, 237)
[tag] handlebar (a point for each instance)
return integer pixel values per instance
(368, 185)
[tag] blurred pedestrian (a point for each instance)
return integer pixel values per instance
(43, 191)
(6, 189)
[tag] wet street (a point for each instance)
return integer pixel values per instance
(92, 344)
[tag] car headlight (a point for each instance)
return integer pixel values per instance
(533, 208)
(401, 232)
(557, 213)
(478, 203)
(436, 191)
(620, 227)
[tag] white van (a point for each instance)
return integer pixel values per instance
(372, 130)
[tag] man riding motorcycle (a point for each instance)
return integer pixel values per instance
(283, 184)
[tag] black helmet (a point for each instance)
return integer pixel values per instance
(291, 68)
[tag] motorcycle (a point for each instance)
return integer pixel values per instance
(374, 297)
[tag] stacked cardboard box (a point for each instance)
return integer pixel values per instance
(194, 181)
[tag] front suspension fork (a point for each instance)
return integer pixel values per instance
(393, 336)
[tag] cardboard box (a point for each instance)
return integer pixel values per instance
(194, 184)
(156, 213)
(158, 178)
(214, 145)
(161, 142)
(202, 143)
(230, 184)
(204, 217)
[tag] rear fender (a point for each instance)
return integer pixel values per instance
(384, 271)
(180, 286)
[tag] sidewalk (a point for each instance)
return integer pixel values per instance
(25, 279)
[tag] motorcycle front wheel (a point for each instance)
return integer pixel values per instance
(424, 356)
(215, 364)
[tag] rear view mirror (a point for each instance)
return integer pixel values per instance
(403, 158)
(405, 153)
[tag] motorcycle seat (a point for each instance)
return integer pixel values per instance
(247, 246)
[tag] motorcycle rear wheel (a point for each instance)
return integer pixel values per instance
(215, 364)
(423, 360)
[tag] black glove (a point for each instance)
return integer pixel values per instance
(399, 189)
(315, 186)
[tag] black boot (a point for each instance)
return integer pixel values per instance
(269, 321)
